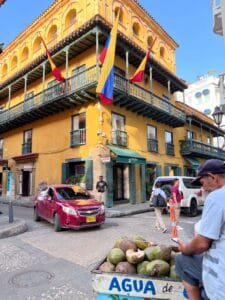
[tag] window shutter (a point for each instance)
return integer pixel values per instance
(65, 172)
(166, 170)
(89, 174)
(158, 170)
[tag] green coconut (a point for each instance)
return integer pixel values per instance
(173, 257)
(119, 240)
(158, 252)
(135, 257)
(158, 268)
(125, 267)
(140, 242)
(141, 267)
(173, 273)
(127, 244)
(107, 266)
(116, 255)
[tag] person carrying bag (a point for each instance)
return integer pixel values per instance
(159, 200)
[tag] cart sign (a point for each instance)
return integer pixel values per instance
(127, 287)
(105, 159)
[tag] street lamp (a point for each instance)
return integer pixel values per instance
(217, 115)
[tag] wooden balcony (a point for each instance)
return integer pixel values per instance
(198, 149)
(80, 89)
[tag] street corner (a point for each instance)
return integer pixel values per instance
(7, 229)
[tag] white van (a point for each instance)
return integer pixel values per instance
(192, 198)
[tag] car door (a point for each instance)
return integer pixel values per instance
(40, 205)
(50, 204)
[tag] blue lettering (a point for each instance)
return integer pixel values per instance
(114, 284)
(126, 285)
(138, 285)
(149, 287)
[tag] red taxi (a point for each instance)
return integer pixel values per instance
(68, 206)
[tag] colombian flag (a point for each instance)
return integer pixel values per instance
(139, 74)
(107, 57)
(55, 71)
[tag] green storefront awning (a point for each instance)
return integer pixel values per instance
(193, 162)
(127, 156)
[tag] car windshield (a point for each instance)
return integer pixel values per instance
(68, 193)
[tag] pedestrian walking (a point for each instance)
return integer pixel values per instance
(202, 260)
(101, 187)
(176, 197)
(159, 201)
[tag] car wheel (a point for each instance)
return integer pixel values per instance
(57, 223)
(36, 215)
(193, 210)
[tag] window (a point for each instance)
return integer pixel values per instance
(1, 148)
(190, 135)
(152, 139)
(136, 29)
(27, 142)
(169, 143)
(119, 135)
(78, 134)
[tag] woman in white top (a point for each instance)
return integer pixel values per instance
(159, 224)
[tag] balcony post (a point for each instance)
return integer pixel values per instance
(151, 86)
(127, 71)
(9, 99)
(25, 85)
(67, 60)
(97, 52)
(168, 86)
(43, 76)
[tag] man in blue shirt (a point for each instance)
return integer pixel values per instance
(203, 259)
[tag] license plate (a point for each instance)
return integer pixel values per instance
(91, 219)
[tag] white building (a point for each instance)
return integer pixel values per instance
(218, 9)
(203, 94)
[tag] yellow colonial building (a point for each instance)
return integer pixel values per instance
(59, 132)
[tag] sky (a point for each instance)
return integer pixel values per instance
(188, 22)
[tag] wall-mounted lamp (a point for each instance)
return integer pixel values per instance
(217, 115)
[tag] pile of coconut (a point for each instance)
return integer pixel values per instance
(136, 255)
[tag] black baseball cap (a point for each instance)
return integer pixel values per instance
(214, 166)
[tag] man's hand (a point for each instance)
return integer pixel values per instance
(197, 246)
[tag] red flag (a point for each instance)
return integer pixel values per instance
(139, 74)
(55, 71)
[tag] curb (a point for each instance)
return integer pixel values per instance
(18, 202)
(11, 229)
(118, 214)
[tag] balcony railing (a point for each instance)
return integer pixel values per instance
(169, 149)
(26, 148)
(78, 89)
(78, 137)
(152, 145)
(119, 137)
(199, 149)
